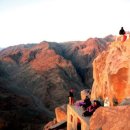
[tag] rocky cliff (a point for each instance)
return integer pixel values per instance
(111, 70)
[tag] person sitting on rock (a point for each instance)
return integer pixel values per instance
(86, 103)
(123, 33)
(91, 109)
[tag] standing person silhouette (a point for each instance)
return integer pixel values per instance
(71, 97)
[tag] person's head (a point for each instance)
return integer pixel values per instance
(122, 28)
(71, 90)
(94, 103)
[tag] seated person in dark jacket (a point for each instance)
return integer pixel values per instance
(86, 103)
(91, 109)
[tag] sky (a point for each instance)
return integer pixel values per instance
(33, 21)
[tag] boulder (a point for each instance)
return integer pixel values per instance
(49, 124)
(61, 113)
(84, 93)
(111, 118)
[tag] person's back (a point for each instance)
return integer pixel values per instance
(123, 34)
(91, 109)
(122, 31)
(87, 100)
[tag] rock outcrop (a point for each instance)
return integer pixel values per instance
(61, 116)
(84, 93)
(61, 113)
(111, 118)
(50, 124)
(111, 70)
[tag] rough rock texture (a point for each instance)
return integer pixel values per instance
(61, 113)
(111, 70)
(111, 118)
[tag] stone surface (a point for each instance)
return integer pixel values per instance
(61, 113)
(111, 70)
(84, 93)
(125, 101)
(111, 118)
(74, 117)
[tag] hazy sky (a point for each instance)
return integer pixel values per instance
(32, 21)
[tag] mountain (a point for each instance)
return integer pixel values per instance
(19, 109)
(83, 53)
(111, 73)
(44, 73)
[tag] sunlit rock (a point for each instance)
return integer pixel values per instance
(61, 113)
(111, 118)
(111, 70)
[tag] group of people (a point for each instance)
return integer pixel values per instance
(88, 106)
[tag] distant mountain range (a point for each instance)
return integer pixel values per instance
(48, 70)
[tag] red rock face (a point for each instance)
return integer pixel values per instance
(111, 73)
(111, 118)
